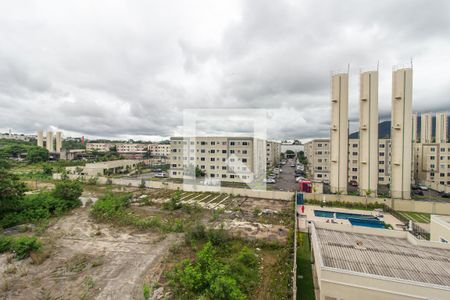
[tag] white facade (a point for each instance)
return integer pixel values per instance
(440, 229)
(235, 159)
(339, 133)
(426, 128)
(401, 133)
(441, 127)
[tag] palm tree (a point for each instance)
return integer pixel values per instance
(367, 193)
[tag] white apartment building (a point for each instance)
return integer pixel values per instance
(318, 154)
(131, 148)
(235, 159)
(100, 147)
(162, 150)
(273, 153)
(432, 165)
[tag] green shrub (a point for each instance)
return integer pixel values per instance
(21, 246)
(69, 191)
(218, 237)
(92, 181)
(174, 201)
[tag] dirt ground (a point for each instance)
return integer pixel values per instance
(87, 261)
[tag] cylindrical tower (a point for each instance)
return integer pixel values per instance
(58, 141)
(339, 133)
(401, 133)
(49, 141)
(40, 138)
(368, 133)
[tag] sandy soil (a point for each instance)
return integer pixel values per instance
(87, 261)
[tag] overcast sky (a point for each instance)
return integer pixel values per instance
(130, 68)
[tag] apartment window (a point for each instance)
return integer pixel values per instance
(212, 167)
(231, 176)
(354, 177)
(442, 149)
(244, 143)
(232, 143)
(174, 173)
(202, 167)
(380, 178)
(224, 151)
(202, 158)
(319, 145)
(381, 153)
(354, 161)
(174, 165)
(432, 157)
(354, 169)
(355, 153)
(381, 162)
(319, 152)
(202, 151)
(355, 145)
(213, 143)
(319, 160)
(319, 175)
(380, 170)
(382, 145)
(244, 160)
(212, 175)
(442, 174)
(244, 151)
(231, 151)
(224, 176)
(432, 149)
(203, 143)
(213, 159)
(213, 151)
(224, 167)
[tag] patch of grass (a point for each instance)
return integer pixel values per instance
(21, 246)
(416, 217)
(305, 284)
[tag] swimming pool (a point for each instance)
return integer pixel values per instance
(354, 219)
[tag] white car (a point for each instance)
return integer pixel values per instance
(269, 180)
(423, 188)
(299, 178)
(160, 175)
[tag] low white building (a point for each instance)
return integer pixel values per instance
(354, 263)
(104, 168)
(440, 229)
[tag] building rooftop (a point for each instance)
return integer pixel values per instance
(385, 256)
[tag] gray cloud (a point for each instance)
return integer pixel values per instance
(124, 69)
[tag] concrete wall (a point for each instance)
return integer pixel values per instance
(441, 208)
(439, 229)
(277, 195)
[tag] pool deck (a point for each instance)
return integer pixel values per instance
(309, 212)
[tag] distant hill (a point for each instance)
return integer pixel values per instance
(384, 129)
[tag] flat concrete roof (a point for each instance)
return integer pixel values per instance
(384, 256)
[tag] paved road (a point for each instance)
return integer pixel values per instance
(286, 180)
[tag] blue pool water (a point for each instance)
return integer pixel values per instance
(354, 219)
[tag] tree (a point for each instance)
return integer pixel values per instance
(11, 191)
(69, 191)
(37, 154)
(199, 172)
(47, 170)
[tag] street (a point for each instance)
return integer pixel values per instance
(286, 179)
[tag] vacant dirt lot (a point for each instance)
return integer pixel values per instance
(87, 261)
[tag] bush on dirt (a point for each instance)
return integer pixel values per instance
(21, 246)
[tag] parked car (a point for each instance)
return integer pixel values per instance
(418, 192)
(353, 183)
(160, 175)
(423, 188)
(445, 195)
(269, 180)
(326, 181)
(293, 166)
(415, 187)
(299, 178)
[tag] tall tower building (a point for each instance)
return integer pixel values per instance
(441, 127)
(426, 128)
(368, 133)
(40, 138)
(49, 141)
(339, 133)
(415, 119)
(401, 133)
(58, 141)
